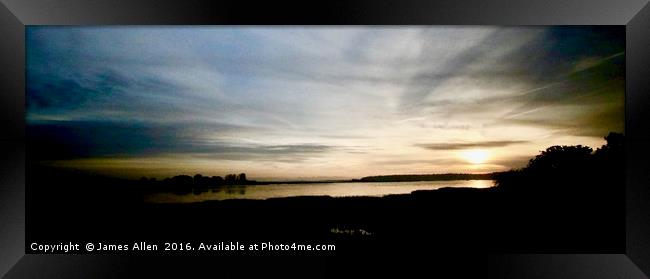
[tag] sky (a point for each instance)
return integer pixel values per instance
(303, 103)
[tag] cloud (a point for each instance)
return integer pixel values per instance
(487, 56)
(433, 162)
(465, 145)
(342, 96)
(513, 161)
(264, 153)
(53, 140)
(534, 84)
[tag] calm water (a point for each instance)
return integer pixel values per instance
(375, 189)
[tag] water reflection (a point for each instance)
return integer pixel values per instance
(343, 189)
(229, 189)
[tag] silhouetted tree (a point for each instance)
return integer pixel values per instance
(560, 157)
(610, 158)
(216, 181)
(613, 151)
(230, 179)
(560, 162)
(200, 181)
(241, 178)
(569, 169)
(182, 183)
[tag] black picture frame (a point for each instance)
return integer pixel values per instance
(634, 14)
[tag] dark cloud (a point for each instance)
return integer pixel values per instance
(441, 161)
(539, 62)
(468, 145)
(105, 90)
(589, 103)
(298, 148)
(333, 136)
(597, 123)
(595, 86)
(581, 68)
(264, 153)
(429, 79)
(72, 139)
(57, 94)
(568, 43)
(52, 140)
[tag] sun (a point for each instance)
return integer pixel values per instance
(475, 156)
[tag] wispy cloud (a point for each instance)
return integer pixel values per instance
(467, 145)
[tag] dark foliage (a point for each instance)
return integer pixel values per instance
(569, 170)
(183, 184)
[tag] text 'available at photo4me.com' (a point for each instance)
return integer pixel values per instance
(176, 247)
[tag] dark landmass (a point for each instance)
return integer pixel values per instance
(568, 199)
(184, 184)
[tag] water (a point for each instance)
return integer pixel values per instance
(335, 189)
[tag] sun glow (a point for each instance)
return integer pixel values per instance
(475, 156)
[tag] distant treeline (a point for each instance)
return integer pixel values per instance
(186, 183)
(426, 177)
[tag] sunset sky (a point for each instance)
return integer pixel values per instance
(318, 102)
